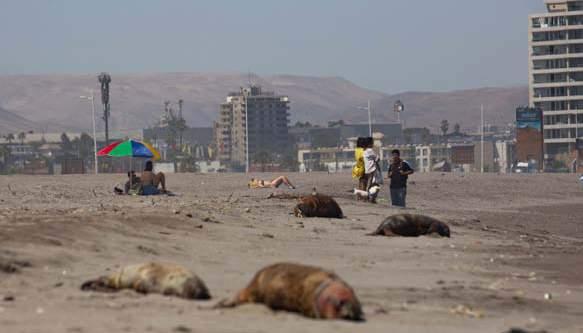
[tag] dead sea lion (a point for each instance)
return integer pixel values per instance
(411, 225)
(308, 290)
(159, 278)
(318, 205)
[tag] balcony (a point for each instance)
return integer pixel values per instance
(560, 140)
(557, 42)
(562, 112)
(557, 98)
(563, 126)
(557, 70)
(548, 28)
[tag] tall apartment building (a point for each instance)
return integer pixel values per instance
(556, 72)
(265, 114)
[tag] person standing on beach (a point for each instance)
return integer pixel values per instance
(358, 169)
(372, 171)
(399, 172)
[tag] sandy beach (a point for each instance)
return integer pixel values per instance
(515, 258)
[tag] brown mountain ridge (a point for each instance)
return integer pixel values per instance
(52, 101)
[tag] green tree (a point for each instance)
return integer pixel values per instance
(84, 146)
(66, 143)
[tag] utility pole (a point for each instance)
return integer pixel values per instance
(368, 108)
(246, 96)
(576, 141)
(369, 120)
(482, 141)
(105, 80)
(92, 99)
(180, 121)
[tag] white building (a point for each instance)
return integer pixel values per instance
(556, 72)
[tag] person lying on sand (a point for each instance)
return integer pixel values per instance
(150, 180)
(259, 183)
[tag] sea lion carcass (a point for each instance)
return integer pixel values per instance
(153, 277)
(308, 290)
(318, 205)
(411, 225)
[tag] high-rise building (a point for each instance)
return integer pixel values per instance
(263, 114)
(556, 73)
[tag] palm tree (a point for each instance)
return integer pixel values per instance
(457, 128)
(21, 137)
(10, 138)
(4, 152)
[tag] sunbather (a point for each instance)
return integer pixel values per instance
(259, 183)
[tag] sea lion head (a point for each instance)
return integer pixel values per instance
(299, 210)
(442, 229)
(100, 284)
(196, 289)
(338, 301)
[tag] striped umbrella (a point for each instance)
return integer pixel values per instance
(130, 148)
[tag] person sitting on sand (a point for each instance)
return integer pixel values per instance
(133, 184)
(259, 183)
(151, 180)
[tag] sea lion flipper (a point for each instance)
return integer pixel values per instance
(99, 284)
(227, 303)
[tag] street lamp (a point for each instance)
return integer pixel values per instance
(398, 107)
(92, 99)
(369, 118)
(246, 132)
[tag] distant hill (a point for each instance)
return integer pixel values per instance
(137, 99)
(13, 123)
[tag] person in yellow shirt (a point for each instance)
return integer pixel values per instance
(358, 169)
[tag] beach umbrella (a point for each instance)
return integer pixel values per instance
(130, 148)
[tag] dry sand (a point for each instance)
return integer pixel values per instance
(515, 238)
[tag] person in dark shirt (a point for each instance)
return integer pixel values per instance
(399, 172)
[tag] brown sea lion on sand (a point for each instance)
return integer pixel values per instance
(318, 205)
(411, 225)
(308, 290)
(159, 278)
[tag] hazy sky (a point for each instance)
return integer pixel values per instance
(388, 45)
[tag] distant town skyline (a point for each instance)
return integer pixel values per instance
(390, 46)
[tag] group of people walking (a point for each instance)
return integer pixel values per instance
(369, 174)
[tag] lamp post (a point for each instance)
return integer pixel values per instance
(368, 108)
(92, 99)
(398, 107)
(482, 138)
(246, 96)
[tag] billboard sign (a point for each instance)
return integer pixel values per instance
(529, 118)
(529, 135)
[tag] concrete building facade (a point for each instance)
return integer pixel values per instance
(556, 73)
(265, 116)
